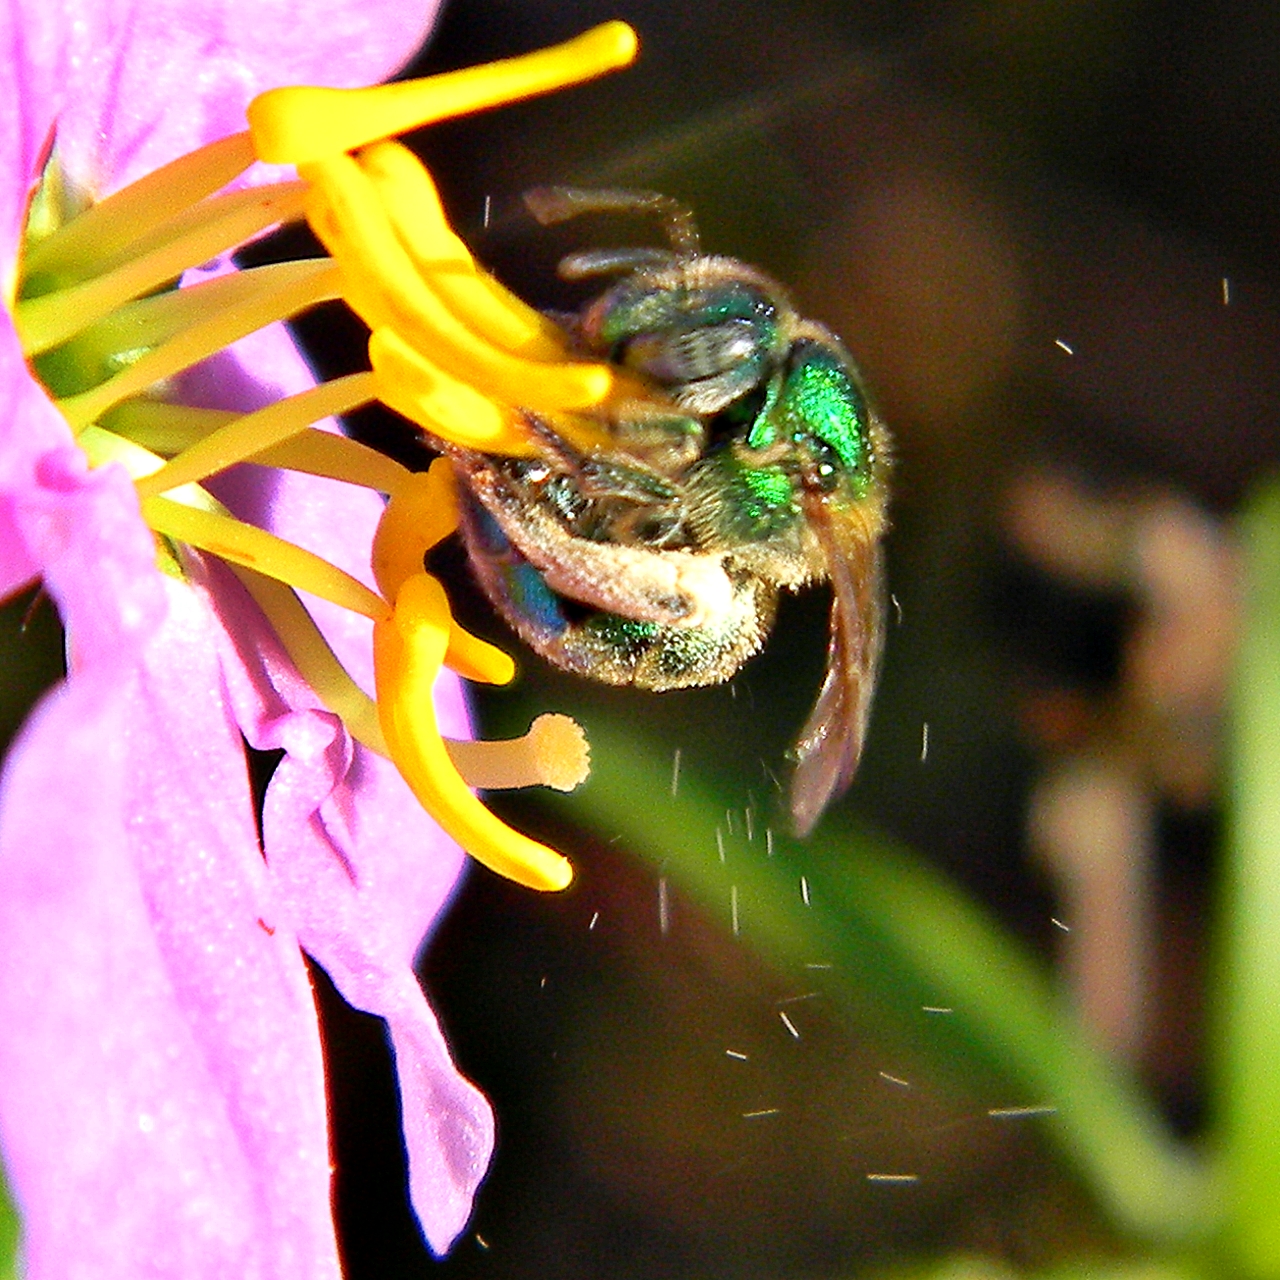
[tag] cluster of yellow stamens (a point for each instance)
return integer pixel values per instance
(451, 349)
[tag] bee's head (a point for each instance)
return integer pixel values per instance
(707, 331)
(783, 422)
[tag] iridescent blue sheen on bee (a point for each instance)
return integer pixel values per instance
(754, 463)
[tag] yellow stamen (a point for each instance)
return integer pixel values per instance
(201, 341)
(162, 427)
(476, 659)
(406, 191)
(167, 429)
(322, 453)
(102, 447)
(299, 124)
(447, 407)
(130, 332)
(385, 289)
(195, 237)
(170, 428)
(103, 231)
(423, 511)
(239, 543)
(409, 651)
(261, 429)
(553, 753)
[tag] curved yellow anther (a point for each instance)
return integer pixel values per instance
(422, 512)
(408, 194)
(476, 659)
(448, 408)
(298, 124)
(384, 285)
(409, 650)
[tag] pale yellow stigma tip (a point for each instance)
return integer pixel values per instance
(561, 749)
(554, 753)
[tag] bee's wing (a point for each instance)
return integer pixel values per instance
(830, 743)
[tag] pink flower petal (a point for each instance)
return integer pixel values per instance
(163, 1106)
(363, 869)
(362, 872)
(135, 83)
(393, 872)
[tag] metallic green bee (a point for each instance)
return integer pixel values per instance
(758, 465)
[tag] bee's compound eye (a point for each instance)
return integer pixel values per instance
(679, 356)
(826, 417)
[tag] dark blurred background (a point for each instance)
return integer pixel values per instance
(1047, 232)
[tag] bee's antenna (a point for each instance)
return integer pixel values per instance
(558, 204)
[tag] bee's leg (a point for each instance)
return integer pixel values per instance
(558, 204)
(678, 588)
(555, 449)
(609, 646)
(595, 479)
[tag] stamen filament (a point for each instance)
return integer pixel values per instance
(239, 543)
(218, 225)
(252, 432)
(102, 447)
(106, 228)
(201, 341)
(150, 321)
(167, 429)
(162, 427)
(125, 336)
(296, 125)
(322, 453)
(552, 754)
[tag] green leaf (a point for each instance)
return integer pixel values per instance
(10, 1228)
(1248, 1016)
